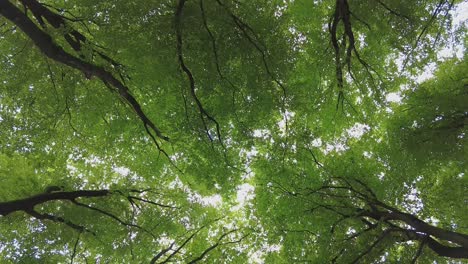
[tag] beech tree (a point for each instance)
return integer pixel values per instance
(227, 131)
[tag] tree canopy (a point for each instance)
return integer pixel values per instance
(232, 131)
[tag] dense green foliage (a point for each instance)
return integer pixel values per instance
(232, 132)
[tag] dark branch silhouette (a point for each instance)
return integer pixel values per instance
(343, 14)
(437, 10)
(203, 113)
(392, 11)
(217, 64)
(214, 246)
(29, 203)
(75, 247)
(51, 49)
(353, 199)
(254, 40)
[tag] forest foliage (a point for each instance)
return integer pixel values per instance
(231, 131)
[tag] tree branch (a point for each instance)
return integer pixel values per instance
(212, 247)
(45, 43)
(57, 219)
(101, 211)
(186, 70)
(341, 191)
(393, 11)
(75, 248)
(27, 204)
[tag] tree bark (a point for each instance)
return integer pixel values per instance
(28, 204)
(420, 226)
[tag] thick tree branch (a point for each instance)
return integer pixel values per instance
(343, 14)
(437, 247)
(28, 204)
(419, 225)
(447, 251)
(348, 194)
(46, 44)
